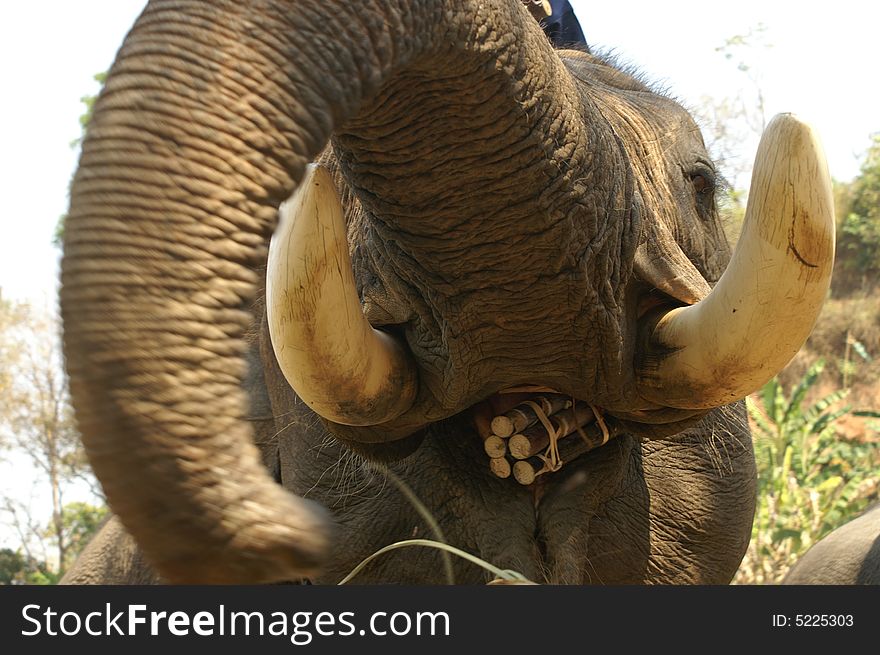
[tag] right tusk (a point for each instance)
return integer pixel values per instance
(765, 305)
(344, 369)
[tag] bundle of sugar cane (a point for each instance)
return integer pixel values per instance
(590, 436)
(535, 438)
(538, 433)
(526, 414)
(495, 433)
(495, 446)
(500, 466)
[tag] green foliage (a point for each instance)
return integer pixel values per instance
(80, 522)
(810, 479)
(85, 117)
(858, 238)
(732, 210)
(860, 241)
(58, 233)
(89, 104)
(17, 568)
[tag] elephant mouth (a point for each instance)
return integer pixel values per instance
(529, 431)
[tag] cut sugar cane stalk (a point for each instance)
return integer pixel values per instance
(495, 446)
(482, 418)
(524, 414)
(534, 439)
(500, 467)
(525, 471)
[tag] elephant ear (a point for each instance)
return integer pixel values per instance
(661, 264)
(764, 307)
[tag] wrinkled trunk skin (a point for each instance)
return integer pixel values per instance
(208, 118)
(112, 558)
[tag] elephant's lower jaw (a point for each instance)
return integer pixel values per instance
(381, 452)
(538, 440)
(402, 441)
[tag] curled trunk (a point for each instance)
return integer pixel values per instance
(207, 121)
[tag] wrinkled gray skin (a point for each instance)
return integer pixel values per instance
(848, 556)
(111, 557)
(510, 211)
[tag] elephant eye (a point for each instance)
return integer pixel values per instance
(703, 182)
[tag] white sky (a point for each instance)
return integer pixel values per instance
(819, 67)
(822, 66)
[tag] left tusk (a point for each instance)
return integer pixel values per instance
(344, 369)
(764, 307)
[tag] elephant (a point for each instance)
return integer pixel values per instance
(112, 558)
(470, 221)
(850, 555)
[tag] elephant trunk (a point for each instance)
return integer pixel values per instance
(207, 121)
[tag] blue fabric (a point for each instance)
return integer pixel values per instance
(562, 26)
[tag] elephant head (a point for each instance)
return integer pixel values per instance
(489, 213)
